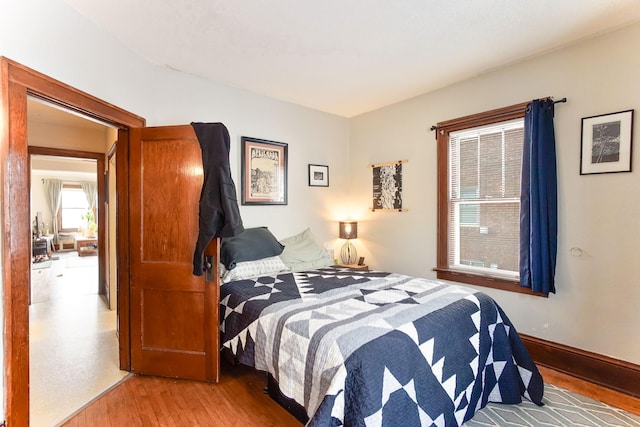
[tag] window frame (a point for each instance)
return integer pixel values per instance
(443, 129)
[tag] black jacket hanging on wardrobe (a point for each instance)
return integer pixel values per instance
(219, 212)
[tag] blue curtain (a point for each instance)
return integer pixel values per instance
(539, 200)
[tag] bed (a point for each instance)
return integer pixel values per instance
(355, 347)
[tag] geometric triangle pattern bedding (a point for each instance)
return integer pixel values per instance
(372, 348)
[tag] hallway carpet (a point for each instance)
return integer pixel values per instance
(72, 339)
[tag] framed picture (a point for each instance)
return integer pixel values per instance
(318, 176)
(606, 143)
(264, 172)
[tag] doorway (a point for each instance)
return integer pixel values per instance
(73, 347)
(17, 84)
(70, 149)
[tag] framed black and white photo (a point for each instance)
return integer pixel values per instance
(606, 143)
(264, 172)
(318, 176)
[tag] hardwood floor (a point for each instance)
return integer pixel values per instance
(596, 392)
(239, 400)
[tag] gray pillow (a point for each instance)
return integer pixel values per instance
(250, 245)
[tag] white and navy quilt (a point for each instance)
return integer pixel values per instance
(361, 348)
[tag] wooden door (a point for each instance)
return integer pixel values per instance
(174, 314)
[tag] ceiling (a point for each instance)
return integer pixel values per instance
(348, 57)
(42, 112)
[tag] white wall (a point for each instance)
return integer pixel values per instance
(312, 137)
(596, 305)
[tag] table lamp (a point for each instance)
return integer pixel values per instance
(348, 231)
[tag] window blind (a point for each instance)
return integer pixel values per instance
(484, 198)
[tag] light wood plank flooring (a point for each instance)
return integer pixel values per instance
(596, 392)
(238, 400)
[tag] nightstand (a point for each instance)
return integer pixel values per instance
(354, 266)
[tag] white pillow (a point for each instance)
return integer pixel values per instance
(303, 252)
(260, 267)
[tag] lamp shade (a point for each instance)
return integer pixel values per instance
(348, 230)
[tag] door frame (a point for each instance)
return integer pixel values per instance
(100, 159)
(17, 82)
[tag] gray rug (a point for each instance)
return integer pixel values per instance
(40, 265)
(561, 408)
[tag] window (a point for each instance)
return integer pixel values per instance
(73, 204)
(479, 162)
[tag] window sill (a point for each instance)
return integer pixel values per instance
(483, 280)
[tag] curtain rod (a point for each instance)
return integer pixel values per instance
(562, 100)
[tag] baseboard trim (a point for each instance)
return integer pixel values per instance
(602, 370)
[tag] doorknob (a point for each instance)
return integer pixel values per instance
(208, 265)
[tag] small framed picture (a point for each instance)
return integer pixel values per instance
(606, 143)
(318, 176)
(264, 172)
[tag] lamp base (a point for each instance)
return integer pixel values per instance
(348, 253)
